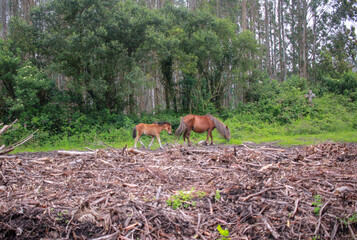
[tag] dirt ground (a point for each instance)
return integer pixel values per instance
(253, 191)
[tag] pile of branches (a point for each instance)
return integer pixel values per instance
(6, 149)
(252, 191)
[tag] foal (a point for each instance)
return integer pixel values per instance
(152, 130)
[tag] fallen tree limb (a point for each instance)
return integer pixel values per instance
(4, 149)
(73, 153)
(7, 127)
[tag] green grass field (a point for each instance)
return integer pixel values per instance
(279, 137)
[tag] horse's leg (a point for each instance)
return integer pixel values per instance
(142, 143)
(136, 139)
(184, 137)
(211, 137)
(209, 132)
(140, 133)
(188, 137)
(152, 140)
(158, 139)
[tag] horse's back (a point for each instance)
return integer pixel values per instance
(148, 129)
(199, 123)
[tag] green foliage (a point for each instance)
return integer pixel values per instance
(217, 197)
(32, 90)
(9, 65)
(224, 233)
(110, 52)
(346, 84)
(317, 204)
(349, 220)
(184, 199)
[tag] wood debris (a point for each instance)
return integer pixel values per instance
(254, 191)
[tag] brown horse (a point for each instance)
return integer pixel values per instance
(152, 130)
(200, 124)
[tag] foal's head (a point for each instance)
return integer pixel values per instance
(166, 126)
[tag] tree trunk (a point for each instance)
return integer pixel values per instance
(253, 17)
(304, 53)
(281, 42)
(273, 33)
(314, 42)
(302, 39)
(167, 72)
(267, 40)
(3, 18)
(244, 15)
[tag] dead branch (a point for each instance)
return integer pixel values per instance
(4, 149)
(270, 227)
(263, 191)
(7, 127)
(74, 153)
(127, 192)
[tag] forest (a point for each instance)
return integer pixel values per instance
(80, 70)
(278, 78)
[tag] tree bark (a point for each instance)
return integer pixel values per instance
(267, 40)
(3, 18)
(314, 41)
(244, 15)
(281, 42)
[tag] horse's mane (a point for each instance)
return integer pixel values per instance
(221, 127)
(163, 123)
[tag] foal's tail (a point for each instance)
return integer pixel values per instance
(134, 132)
(181, 128)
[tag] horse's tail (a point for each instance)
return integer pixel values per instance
(181, 128)
(222, 129)
(134, 132)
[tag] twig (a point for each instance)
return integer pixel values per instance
(89, 149)
(210, 206)
(334, 231)
(352, 233)
(6, 127)
(105, 144)
(263, 191)
(107, 237)
(270, 227)
(296, 207)
(198, 223)
(320, 215)
(124, 149)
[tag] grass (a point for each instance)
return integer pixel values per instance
(326, 126)
(282, 139)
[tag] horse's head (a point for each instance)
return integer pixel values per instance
(168, 128)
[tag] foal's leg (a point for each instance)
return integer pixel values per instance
(152, 140)
(138, 139)
(158, 139)
(142, 143)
